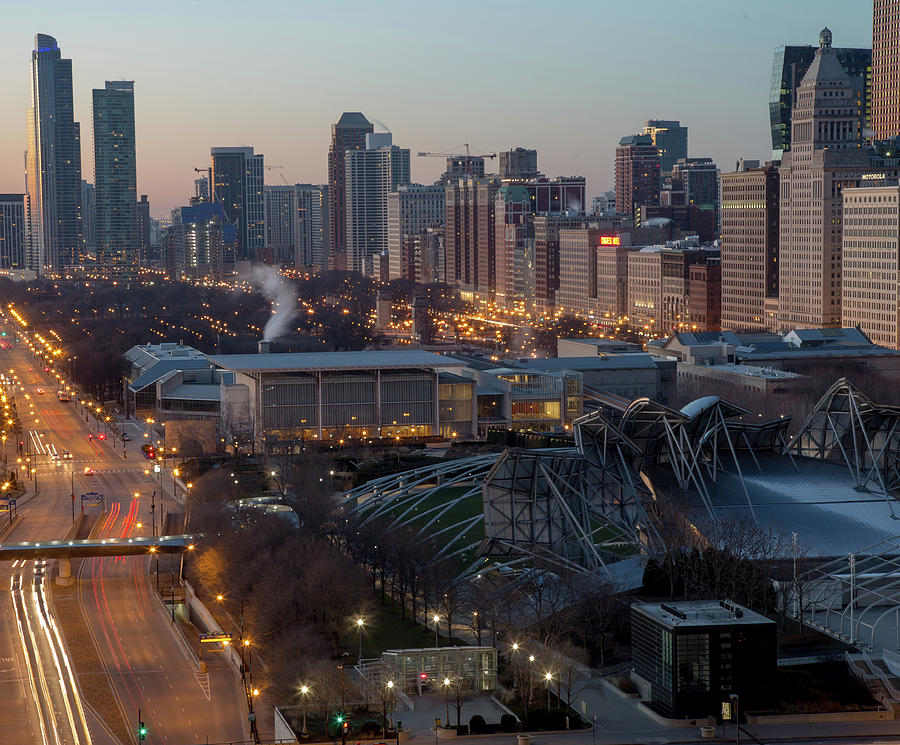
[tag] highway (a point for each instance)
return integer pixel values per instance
(147, 664)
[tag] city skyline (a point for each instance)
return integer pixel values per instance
(181, 92)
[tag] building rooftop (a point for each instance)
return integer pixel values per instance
(163, 368)
(701, 613)
(622, 361)
(361, 360)
(194, 392)
(753, 371)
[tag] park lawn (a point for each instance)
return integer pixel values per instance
(387, 630)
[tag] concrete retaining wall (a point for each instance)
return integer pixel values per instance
(199, 615)
(825, 718)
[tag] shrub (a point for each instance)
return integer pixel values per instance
(477, 725)
(508, 723)
(370, 727)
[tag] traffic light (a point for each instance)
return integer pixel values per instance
(142, 732)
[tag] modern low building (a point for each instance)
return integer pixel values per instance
(292, 398)
(689, 657)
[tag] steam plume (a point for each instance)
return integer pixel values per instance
(283, 299)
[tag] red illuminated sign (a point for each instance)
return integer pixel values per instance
(610, 240)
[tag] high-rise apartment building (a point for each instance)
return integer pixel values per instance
(705, 296)
(143, 224)
(115, 175)
(871, 262)
(518, 163)
(200, 242)
(52, 162)
(670, 139)
(237, 182)
(370, 175)
(12, 231)
(750, 215)
(825, 157)
(297, 224)
(514, 223)
(612, 279)
(788, 69)
(637, 173)
(470, 234)
(348, 133)
(462, 166)
(88, 218)
(411, 209)
(886, 69)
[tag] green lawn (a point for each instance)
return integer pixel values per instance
(387, 630)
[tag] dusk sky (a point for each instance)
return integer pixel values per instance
(567, 78)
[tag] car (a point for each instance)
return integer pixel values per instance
(54, 456)
(88, 471)
(126, 437)
(102, 436)
(66, 455)
(40, 391)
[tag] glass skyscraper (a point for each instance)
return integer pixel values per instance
(237, 175)
(115, 175)
(52, 162)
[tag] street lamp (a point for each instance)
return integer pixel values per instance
(548, 677)
(446, 702)
(437, 619)
(304, 692)
(360, 622)
(530, 684)
(735, 699)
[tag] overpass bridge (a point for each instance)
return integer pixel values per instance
(91, 547)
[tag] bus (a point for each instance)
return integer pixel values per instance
(64, 396)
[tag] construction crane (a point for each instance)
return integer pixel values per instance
(466, 157)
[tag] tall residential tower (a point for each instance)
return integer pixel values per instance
(52, 162)
(886, 69)
(237, 175)
(349, 133)
(115, 175)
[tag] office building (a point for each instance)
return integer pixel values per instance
(886, 69)
(670, 139)
(411, 209)
(52, 163)
(115, 176)
(577, 292)
(370, 175)
(612, 279)
(143, 225)
(789, 67)
(519, 163)
(698, 180)
(824, 158)
(546, 254)
(689, 657)
(750, 220)
(348, 133)
(237, 182)
(604, 205)
(637, 173)
(871, 263)
(470, 235)
(514, 223)
(12, 231)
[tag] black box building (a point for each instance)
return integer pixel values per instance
(689, 657)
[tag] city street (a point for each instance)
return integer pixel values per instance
(132, 630)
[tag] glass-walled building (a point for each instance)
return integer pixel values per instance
(345, 396)
(689, 657)
(416, 669)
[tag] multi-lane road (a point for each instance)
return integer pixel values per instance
(141, 650)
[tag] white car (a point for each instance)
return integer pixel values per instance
(66, 455)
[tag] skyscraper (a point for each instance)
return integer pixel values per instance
(115, 175)
(670, 138)
(53, 162)
(824, 158)
(88, 217)
(349, 133)
(637, 173)
(12, 231)
(411, 209)
(143, 222)
(886, 69)
(788, 69)
(237, 175)
(371, 174)
(470, 236)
